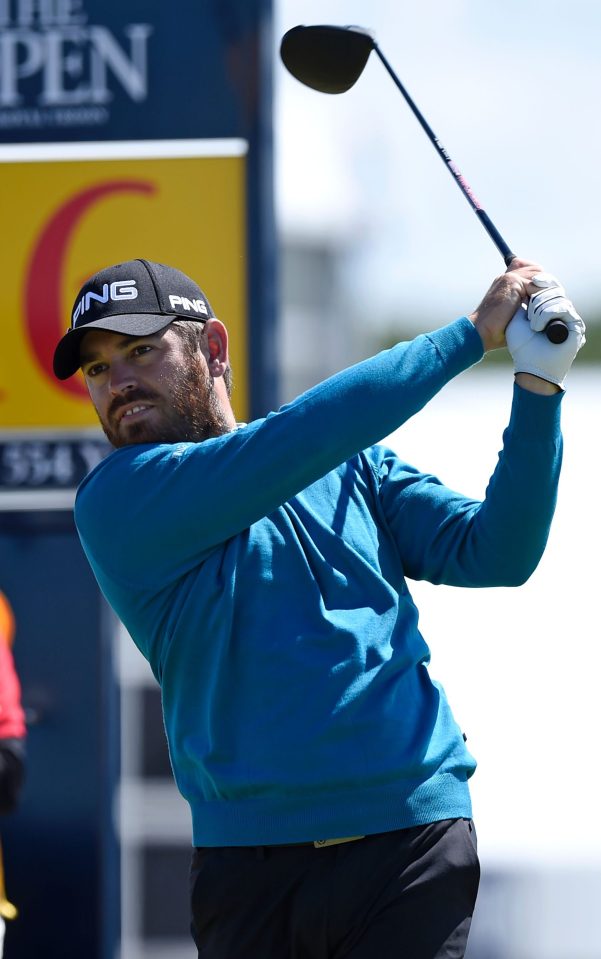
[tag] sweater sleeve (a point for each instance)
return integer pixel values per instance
(444, 537)
(149, 513)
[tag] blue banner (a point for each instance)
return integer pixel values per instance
(73, 70)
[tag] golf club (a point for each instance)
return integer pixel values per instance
(331, 59)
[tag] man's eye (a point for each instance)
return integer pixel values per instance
(95, 370)
(141, 348)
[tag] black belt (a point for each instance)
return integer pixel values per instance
(316, 843)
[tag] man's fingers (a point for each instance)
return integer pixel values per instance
(544, 280)
(549, 305)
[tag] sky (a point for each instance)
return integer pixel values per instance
(512, 90)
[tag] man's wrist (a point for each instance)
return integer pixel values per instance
(535, 384)
(490, 341)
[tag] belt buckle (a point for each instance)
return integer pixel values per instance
(322, 843)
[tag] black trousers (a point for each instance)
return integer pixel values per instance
(408, 894)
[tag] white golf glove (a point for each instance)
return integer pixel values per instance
(530, 349)
(550, 303)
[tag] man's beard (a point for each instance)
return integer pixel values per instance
(190, 412)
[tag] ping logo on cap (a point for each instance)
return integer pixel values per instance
(183, 303)
(118, 290)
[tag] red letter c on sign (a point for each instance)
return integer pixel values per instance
(44, 317)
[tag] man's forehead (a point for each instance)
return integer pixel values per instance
(95, 341)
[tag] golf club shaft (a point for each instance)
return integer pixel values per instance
(556, 330)
(460, 180)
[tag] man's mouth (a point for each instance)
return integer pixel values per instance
(132, 412)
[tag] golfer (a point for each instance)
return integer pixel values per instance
(262, 571)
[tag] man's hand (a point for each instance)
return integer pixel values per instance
(533, 354)
(504, 298)
(516, 310)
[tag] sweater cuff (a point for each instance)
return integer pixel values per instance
(533, 415)
(458, 344)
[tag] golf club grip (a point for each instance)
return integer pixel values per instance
(556, 330)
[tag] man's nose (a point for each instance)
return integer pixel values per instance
(122, 378)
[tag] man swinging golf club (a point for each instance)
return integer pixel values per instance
(262, 571)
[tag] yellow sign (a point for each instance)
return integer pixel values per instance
(65, 219)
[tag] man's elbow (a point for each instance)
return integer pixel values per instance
(518, 572)
(518, 578)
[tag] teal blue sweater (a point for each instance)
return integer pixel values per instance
(263, 574)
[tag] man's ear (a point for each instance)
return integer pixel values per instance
(217, 342)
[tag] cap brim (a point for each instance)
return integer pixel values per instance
(66, 360)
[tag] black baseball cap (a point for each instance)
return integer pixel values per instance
(136, 298)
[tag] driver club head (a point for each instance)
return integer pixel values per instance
(326, 58)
